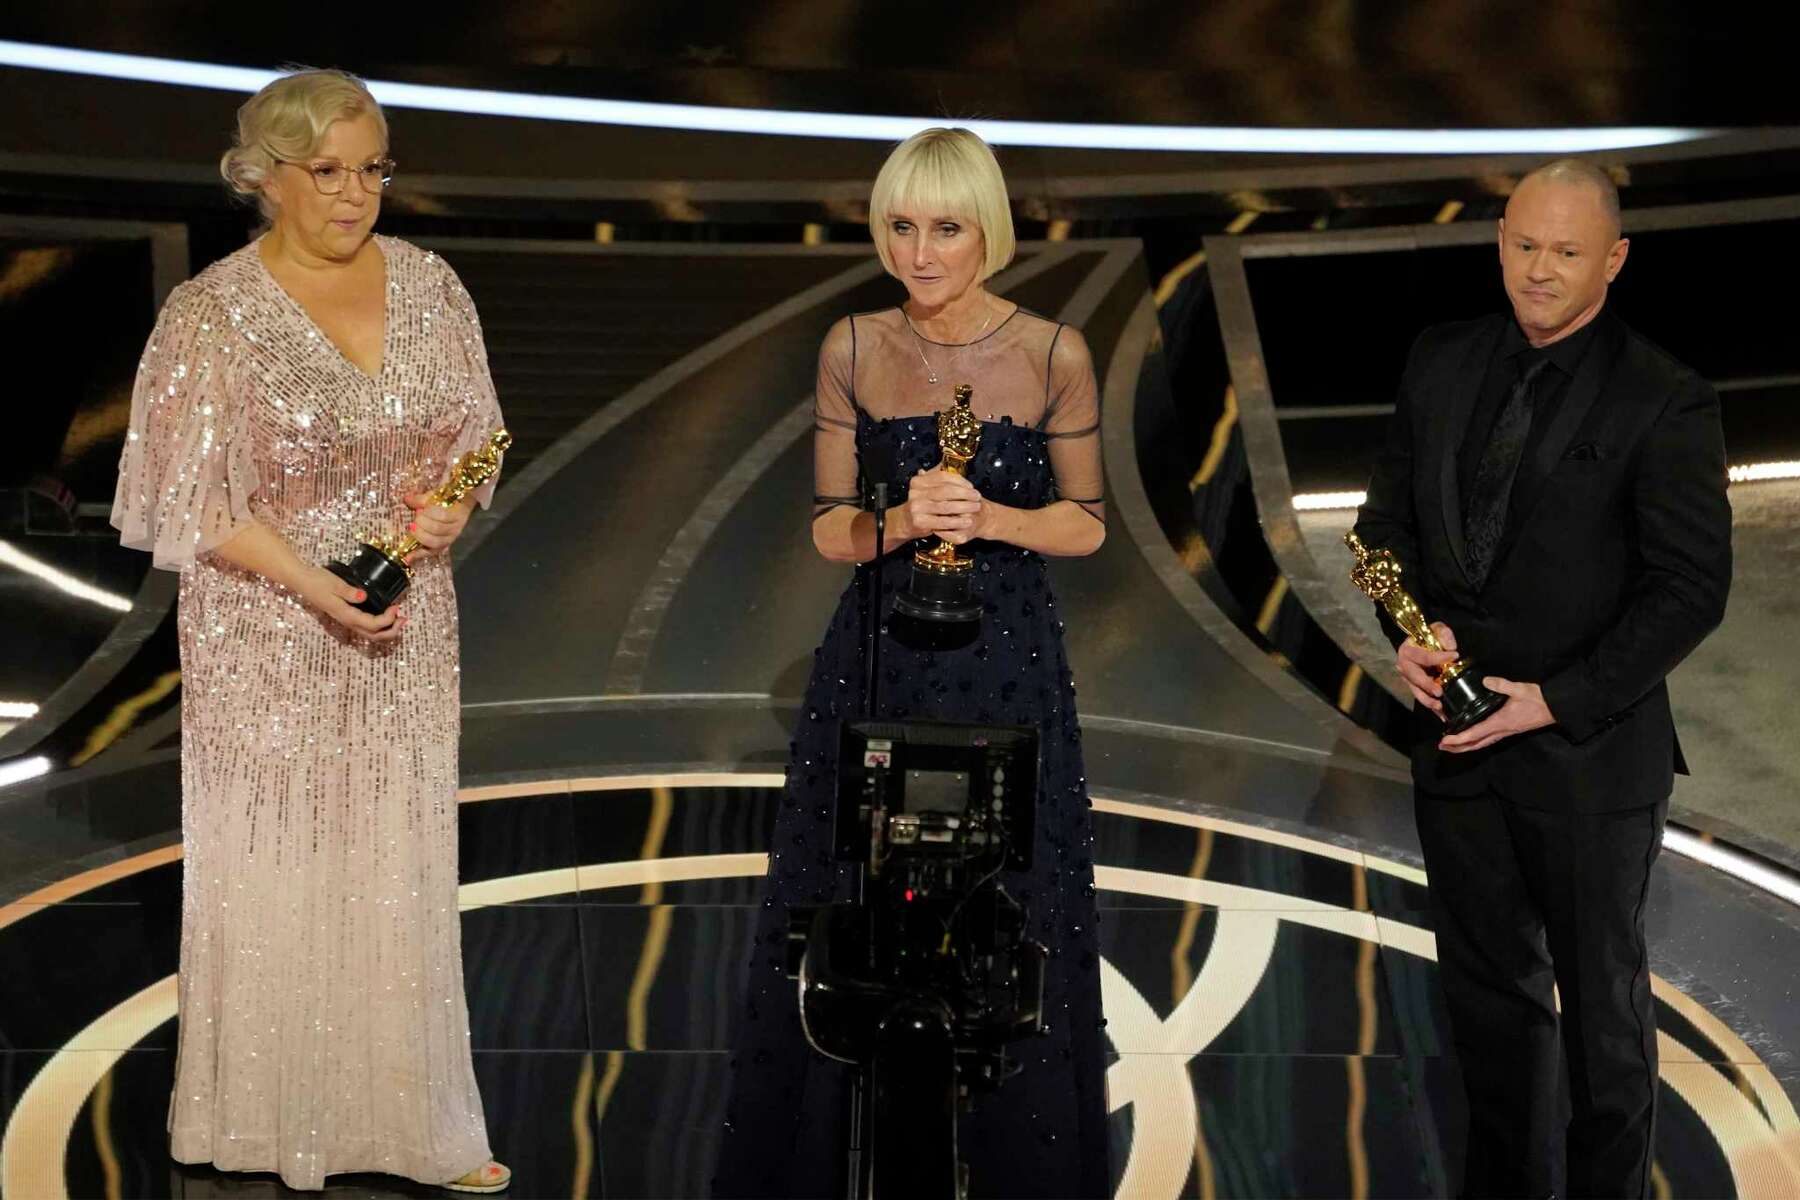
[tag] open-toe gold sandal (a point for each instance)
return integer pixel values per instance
(493, 1177)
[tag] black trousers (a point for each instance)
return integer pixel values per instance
(1525, 898)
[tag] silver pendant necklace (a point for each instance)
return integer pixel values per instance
(931, 375)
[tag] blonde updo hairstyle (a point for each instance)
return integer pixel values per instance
(286, 121)
(945, 173)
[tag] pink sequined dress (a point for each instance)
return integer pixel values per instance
(323, 1023)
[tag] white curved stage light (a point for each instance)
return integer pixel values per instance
(1742, 473)
(1327, 501)
(16, 558)
(19, 770)
(1756, 472)
(1734, 863)
(863, 127)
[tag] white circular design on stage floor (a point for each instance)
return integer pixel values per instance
(1754, 1123)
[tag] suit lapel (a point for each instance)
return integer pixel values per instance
(1465, 390)
(1591, 380)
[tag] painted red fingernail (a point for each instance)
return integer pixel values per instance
(362, 596)
(413, 528)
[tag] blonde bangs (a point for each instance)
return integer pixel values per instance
(944, 173)
(928, 186)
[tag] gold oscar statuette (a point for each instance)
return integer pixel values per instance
(379, 567)
(941, 576)
(1376, 573)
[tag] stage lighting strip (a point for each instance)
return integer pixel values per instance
(865, 127)
(14, 557)
(1746, 1110)
(1327, 501)
(1745, 473)
(1734, 863)
(1753, 472)
(18, 770)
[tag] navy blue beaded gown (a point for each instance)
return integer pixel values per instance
(1044, 1133)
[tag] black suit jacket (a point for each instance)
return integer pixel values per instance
(1615, 565)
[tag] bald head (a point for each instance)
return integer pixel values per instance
(1560, 248)
(1580, 173)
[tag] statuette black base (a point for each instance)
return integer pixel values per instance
(1467, 701)
(939, 596)
(383, 579)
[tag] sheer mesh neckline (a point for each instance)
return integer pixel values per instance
(1007, 320)
(1033, 372)
(887, 370)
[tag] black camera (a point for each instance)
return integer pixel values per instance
(919, 792)
(927, 977)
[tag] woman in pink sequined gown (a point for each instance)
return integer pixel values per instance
(296, 397)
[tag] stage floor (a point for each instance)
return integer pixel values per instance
(1272, 1009)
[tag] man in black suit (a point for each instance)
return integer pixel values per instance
(1554, 489)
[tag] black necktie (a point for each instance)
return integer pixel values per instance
(1484, 519)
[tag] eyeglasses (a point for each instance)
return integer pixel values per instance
(330, 177)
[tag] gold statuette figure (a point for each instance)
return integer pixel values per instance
(1376, 573)
(959, 433)
(379, 567)
(941, 576)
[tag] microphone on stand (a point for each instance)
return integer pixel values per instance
(872, 615)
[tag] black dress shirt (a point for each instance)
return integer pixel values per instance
(1512, 357)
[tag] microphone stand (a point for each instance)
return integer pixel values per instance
(872, 630)
(861, 1133)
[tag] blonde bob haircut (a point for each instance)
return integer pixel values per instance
(286, 121)
(944, 173)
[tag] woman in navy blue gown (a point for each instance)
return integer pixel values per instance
(942, 226)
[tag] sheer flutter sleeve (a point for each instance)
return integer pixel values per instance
(188, 469)
(1072, 423)
(484, 413)
(834, 422)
